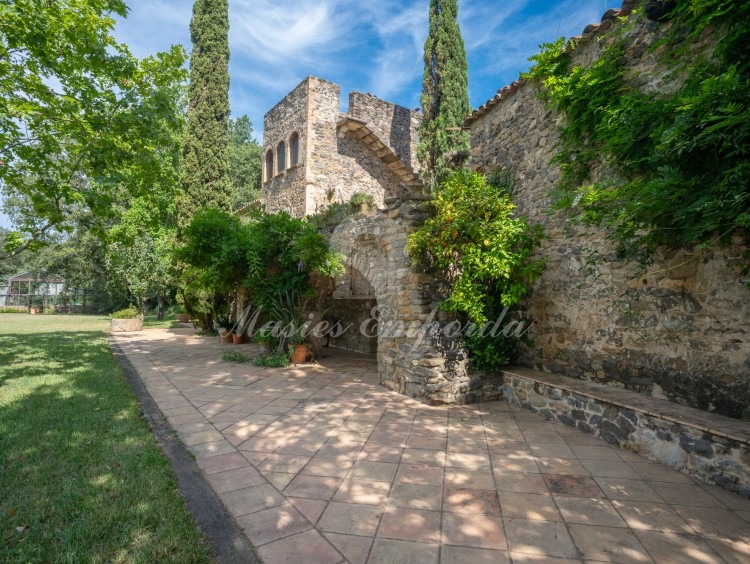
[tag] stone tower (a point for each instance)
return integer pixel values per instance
(315, 156)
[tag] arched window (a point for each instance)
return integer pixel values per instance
(269, 165)
(294, 149)
(281, 156)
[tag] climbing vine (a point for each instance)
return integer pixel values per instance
(486, 253)
(677, 167)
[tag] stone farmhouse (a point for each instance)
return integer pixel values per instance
(675, 340)
(316, 156)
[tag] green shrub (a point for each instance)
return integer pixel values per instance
(266, 339)
(14, 310)
(277, 359)
(360, 199)
(127, 313)
(231, 356)
(485, 252)
(484, 249)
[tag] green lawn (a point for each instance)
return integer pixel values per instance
(78, 465)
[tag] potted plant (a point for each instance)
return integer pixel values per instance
(300, 351)
(237, 336)
(125, 320)
(225, 327)
(362, 202)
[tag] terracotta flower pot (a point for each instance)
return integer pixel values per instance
(300, 354)
(237, 338)
(225, 335)
(182, 317)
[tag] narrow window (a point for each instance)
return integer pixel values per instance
(281, 156)
(294, 149)
(269, 165)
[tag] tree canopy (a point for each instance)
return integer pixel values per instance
(82, 121)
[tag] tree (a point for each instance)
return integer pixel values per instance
(445, 92)
(14, 265)
(79, 258)
(145, 266)
(245, 161)
(205, 175)
(82, 122)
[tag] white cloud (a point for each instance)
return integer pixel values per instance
(480, 21)
(288, 33)
(372, 46)
(401, 34)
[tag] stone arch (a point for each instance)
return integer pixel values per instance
(412, 358)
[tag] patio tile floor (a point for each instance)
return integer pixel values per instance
(318, 462)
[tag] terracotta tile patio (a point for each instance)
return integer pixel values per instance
(319, 462)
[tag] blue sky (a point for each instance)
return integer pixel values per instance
(369, 46)
(373, 46)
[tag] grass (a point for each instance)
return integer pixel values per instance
(169, 322)
(81, 476)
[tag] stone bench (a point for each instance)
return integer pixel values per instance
(709, 447)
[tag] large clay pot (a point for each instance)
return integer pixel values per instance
(126, 325)
(182, 317)
(226, 336)
(237, 338)
(300, 354)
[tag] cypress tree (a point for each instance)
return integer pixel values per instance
(445, 92)
(205, 174)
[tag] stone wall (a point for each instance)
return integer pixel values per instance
(351, 314)
(413, 358)
(681, 330)
(710, 448)
(285, 190)
(396, 125)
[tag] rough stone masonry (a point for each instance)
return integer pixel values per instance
(679, 331)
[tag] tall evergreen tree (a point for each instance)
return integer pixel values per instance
(205, 174)
(445, 91)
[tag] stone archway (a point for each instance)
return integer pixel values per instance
(413, 358)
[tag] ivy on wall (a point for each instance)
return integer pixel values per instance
(678, 172)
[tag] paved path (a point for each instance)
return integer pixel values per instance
(318, 463)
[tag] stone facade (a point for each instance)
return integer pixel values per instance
(397, 125)
(681, 330)
(413, 357)
(333, 162)
(384, 305)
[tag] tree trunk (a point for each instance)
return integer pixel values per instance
(160, 307)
